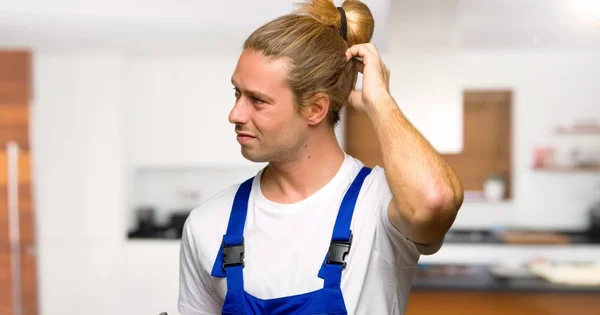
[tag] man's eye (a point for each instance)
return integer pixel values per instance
(257, 101)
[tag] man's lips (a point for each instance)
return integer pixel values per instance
(244, 137)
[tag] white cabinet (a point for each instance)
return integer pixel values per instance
(425, 60)
(177, 112)
(426, 88)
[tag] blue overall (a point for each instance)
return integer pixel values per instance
(230, 263)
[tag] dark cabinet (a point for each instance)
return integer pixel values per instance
(18, 278)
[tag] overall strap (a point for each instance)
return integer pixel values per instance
(230, 258)
(341, 240)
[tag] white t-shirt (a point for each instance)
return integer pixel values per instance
(285, 245)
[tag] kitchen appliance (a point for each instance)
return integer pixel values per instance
(145, 217)
(511, 269)
(594, 222)
(177, 221)
(582, 274)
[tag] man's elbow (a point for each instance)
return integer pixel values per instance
(429, 220)
(444, 201)
(439, 212)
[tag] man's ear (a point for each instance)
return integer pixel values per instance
(317, 109)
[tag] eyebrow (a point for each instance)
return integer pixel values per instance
(257, 94)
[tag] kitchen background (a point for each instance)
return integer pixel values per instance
(128, 122)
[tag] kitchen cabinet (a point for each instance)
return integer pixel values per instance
(177, 112)
(502, 303)
(17, 238)
(487, 137)
(426, 69)
(473, 290)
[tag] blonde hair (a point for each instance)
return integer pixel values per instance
(312, 39)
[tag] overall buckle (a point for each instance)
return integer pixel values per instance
(233, 255)
(338, 250)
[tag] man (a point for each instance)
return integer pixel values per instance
(316, 232)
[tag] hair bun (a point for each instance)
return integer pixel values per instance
(360, 22)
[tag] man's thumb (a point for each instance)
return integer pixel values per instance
(355, 99)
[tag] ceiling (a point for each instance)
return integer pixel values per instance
(529, 24)
(216, 25)
(142, 24)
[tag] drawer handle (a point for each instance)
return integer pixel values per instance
(12, 152)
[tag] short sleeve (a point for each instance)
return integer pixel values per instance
(391, 244)
(196, 293)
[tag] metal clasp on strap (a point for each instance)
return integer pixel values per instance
(233, 255)
(338, 250)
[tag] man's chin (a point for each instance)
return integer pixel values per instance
(253, 156)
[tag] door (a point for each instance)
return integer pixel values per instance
(18, 285)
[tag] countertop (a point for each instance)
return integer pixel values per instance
(480, 278)
(489, 237)
(452, 237)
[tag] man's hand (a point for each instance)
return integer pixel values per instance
(376, 77)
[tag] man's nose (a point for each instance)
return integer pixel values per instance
(239, 113)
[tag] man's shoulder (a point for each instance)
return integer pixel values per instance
(377, 172)
(375, 188)
(214, 212)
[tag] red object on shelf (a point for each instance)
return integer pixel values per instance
(543, 157)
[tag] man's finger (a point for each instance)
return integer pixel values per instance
(372, 48)
(355, 99)
(360, 51)
(359, 66)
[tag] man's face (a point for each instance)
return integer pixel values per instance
(268, 126)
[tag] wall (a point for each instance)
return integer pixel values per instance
(178, 111)
(78, 166)
(549, 89)
(425, 67)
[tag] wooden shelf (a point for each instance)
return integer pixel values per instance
(577, 130)
(565, 169)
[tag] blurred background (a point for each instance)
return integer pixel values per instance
(113, 126)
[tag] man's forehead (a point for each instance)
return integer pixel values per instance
(255, 68)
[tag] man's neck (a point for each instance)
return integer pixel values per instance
(296, 180)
